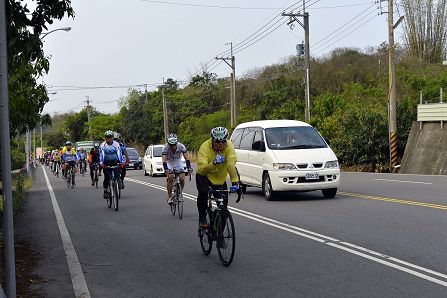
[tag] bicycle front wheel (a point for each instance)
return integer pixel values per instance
(226, 240)
(179, 200)
(68, 179)
(206, 240)
(115, 196)
(109, 197)
(174, 200)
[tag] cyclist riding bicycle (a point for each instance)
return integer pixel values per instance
(56, 160)
(172, 159)
(82, 156)
(110, 155)
(216, 159)
(69, 157)
(93, 159)
(126, 157)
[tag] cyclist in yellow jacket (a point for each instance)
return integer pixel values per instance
(69, 157)
(216, 159)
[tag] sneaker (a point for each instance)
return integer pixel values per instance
(202, 223)
(106, 194)
(121, 184)
(93, 183)
(99, 174)
(170, 201)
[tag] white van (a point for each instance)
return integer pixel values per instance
(153, 162)
(285, 155)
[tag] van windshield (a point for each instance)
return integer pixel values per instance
(296, 137)
(157, 151)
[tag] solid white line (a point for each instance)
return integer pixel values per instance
(401, 181)
(77, 276)
(333, 242)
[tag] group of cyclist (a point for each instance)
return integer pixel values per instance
(216, 159)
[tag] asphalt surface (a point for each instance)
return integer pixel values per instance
(389, 244)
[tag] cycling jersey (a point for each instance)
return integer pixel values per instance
(173, 157)
(81, 156)
(69, 155)
(57, 157)
(110, 154)
(217, 174)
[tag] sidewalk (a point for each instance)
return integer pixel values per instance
(36, 229)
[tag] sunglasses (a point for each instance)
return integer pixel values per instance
(220, 141)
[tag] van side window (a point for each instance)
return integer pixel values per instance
(236, 137)
(258, 141)
(247, 139)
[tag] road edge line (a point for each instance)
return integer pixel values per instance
(74, 266)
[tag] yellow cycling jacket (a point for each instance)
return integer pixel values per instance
(217, 174)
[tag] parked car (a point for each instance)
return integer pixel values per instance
(153, 164)
(135, 161)
(285, 155)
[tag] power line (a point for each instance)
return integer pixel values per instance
(341, 27)
(355, 29)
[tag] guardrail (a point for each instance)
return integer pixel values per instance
(432, 112)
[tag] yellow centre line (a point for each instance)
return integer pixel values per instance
(397, 201)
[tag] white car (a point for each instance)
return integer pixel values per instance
(285, 155)
(152, 162)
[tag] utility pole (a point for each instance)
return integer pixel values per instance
(5, 152)
(165, 111)
(392, 126)
(27, 152)
(88, 117)
(305, 24)
(233, 109)
(34, 146)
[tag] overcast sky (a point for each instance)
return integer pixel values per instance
(122, 43)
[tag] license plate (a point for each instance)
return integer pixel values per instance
(131, 164)
(312, 176)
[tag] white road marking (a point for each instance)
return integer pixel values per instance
(330, 241)
(401, 181)
(77, 276)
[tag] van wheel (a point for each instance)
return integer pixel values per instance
(151, 172)
(145, 173)
(267, 188)
(329, 193)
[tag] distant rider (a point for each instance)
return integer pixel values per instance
(110, 155)
(216, 159)
(172, 159)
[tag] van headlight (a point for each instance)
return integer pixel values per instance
(331, 164)
(284, 166)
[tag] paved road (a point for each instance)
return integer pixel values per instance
(382, 236)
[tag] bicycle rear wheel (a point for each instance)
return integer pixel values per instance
(115, 196)
(206, 240)
(226, 240)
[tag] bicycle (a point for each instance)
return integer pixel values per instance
(82, 167)
(70, 176)
(220, 225)
(177, 193)
(95, 173)
(56, 171)
(114, 191)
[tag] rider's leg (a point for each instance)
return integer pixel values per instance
(202, 184)
(182, 180)
(169, 181)
(105, 183)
